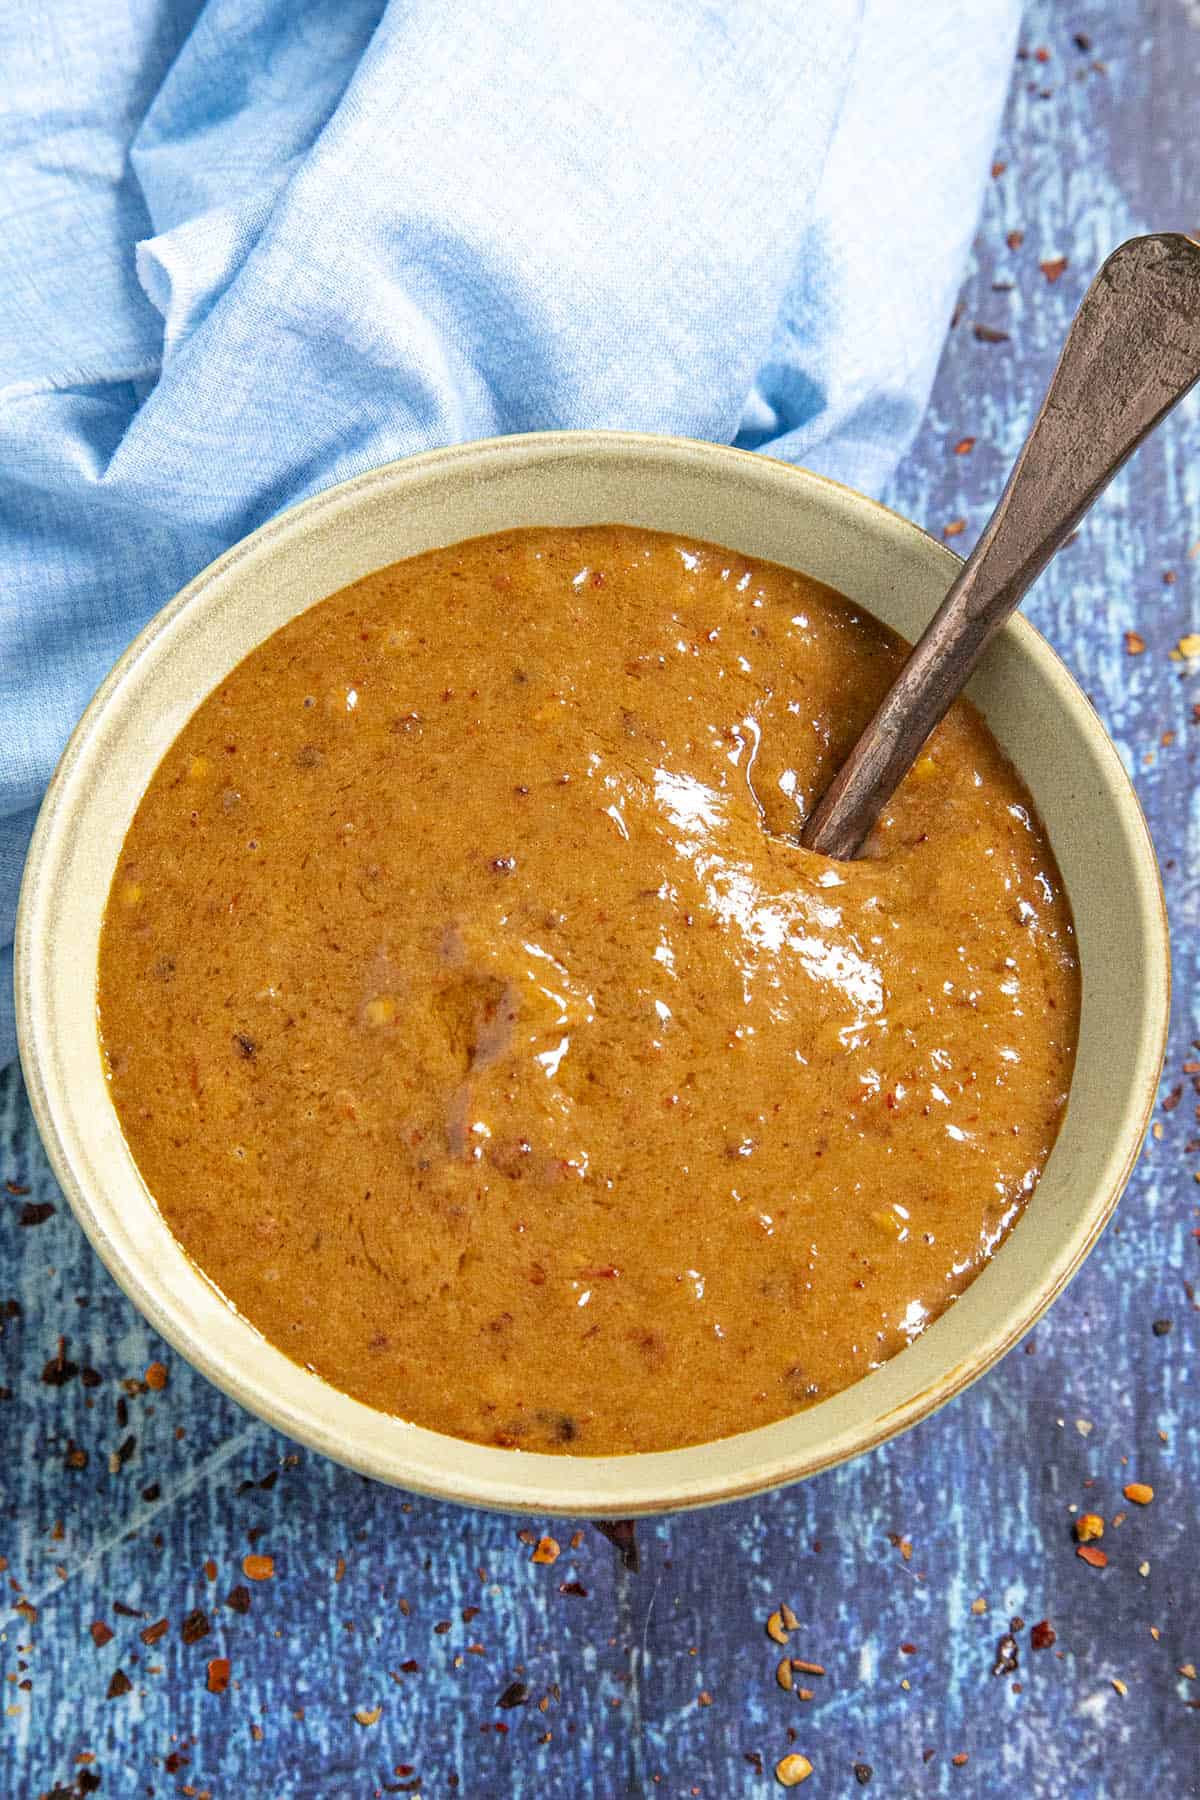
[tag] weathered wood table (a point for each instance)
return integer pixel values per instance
(407, 1647)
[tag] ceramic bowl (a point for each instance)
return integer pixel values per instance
(763, 509)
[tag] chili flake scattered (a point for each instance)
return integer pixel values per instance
(120, 1684)
(1140, 1492)
(960, 1759)
(101, 1633)
(964, 446)
(1135, 643)
(218, 1674)
(150, 1634)
(1120, 1686)
(1053, 268)
(1043, 1635)
(238, 1599)
(1091, 1555)
(195, 1626)
(954, 528)
(258, 1568)
(369, 1715)
(547, 1550)
(1088, 1526)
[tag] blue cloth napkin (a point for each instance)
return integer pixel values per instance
(249, 248)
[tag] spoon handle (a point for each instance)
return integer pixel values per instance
(1133, 350)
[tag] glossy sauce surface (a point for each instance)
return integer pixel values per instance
(477, 1040)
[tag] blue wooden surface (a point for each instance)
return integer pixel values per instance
(663, 1683)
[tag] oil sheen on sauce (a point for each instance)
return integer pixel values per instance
(481, 1034)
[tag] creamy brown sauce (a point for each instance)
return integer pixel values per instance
(476, 1040)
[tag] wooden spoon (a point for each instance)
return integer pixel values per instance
(1132, 352)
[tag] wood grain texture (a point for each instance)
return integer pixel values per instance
(982, 1491)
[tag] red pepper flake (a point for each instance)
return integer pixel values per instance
(1092, 1555)
(1053, 267)
(1043, 1635)
(156, 1377)
(515, 1694)
(218, 1674)
(59, 1370)
(15, 1189)
(127, 1612)
(28, 1611)
(258, 1568)
(339, 1568)
(1015, 239)
(35, 1213)
(238, 1599)
(960, 1759)
(573, 1587)
(195, 1626)
(955, 528)
(1135, 643)
(101, 1633)
(964, 446)
(120, 1684)
(150, 1634)
(988, 334)
(548, 1550)
(411, 1666)
(998, 169)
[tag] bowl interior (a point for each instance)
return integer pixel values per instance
(752, 505)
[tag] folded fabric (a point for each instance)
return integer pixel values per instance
(249, 249)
